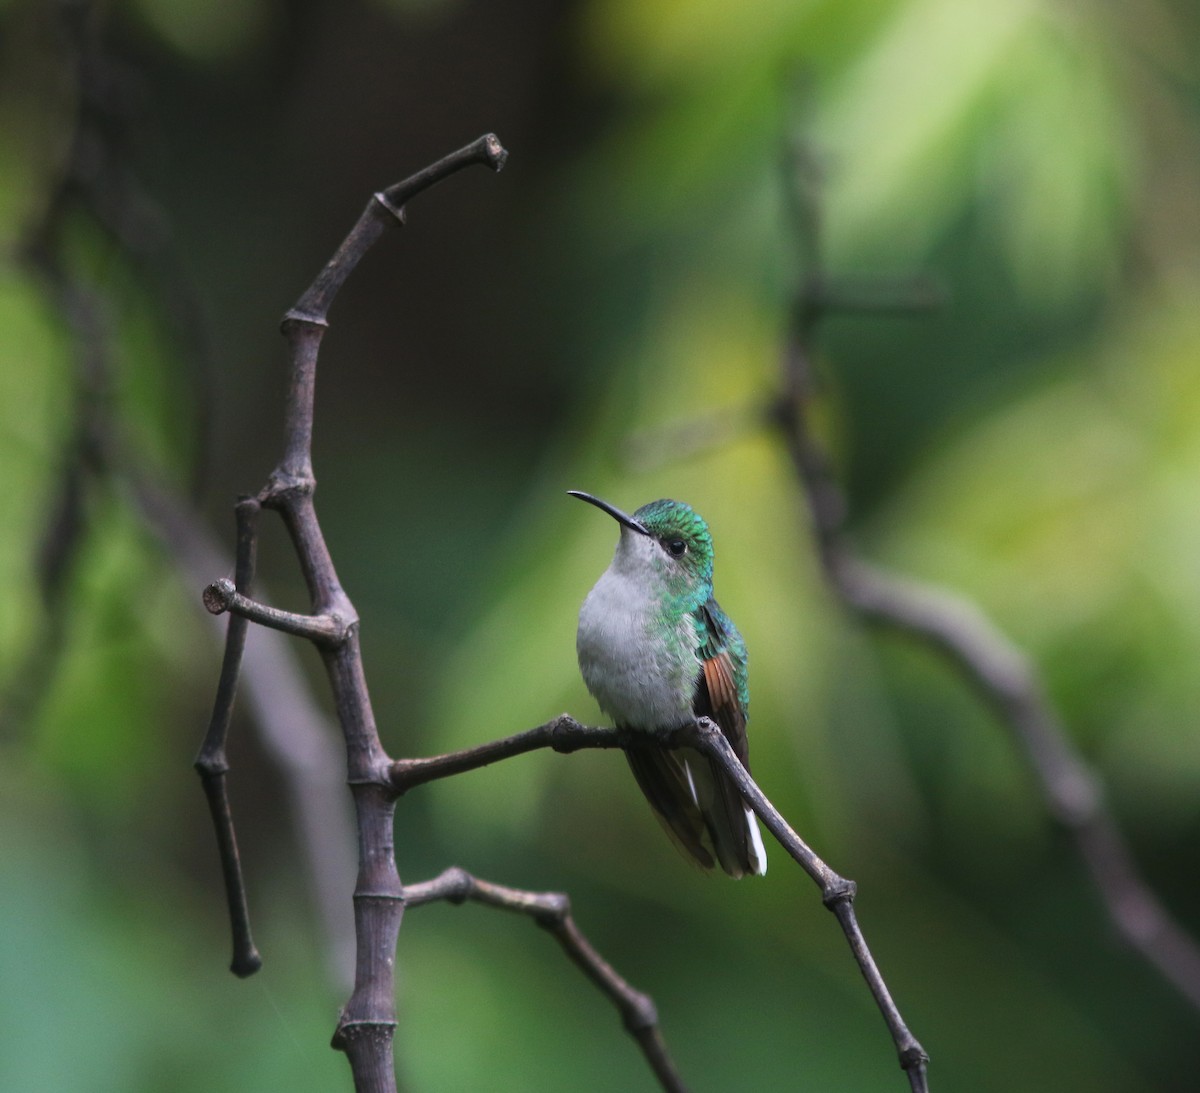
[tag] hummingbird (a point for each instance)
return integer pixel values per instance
(656, 651)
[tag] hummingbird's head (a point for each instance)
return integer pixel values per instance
(669, 541)
(681, 535)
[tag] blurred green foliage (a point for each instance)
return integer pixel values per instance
(1034, 444)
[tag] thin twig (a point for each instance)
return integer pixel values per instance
(291, 727)
(212, 765)
(1072, 791)
(837, 892)
(563, 734)
(325, 629)
(552, 911)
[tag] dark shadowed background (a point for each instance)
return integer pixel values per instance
(1033, 443)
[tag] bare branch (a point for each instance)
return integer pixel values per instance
(366, 1027)
(211, 764)
(552, 911)
(564, 734)
(293, 730)
(837, 892)
(326, 629)
(486, 150)
(958, 629)
(383, 208)
(1072, 792)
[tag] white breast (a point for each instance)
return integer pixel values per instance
(642, 676)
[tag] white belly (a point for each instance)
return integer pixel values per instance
(641, 669)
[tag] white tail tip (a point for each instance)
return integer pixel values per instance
(758, 852)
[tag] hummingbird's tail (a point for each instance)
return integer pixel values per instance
(700, 808)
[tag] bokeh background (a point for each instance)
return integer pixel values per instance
(1033, 443)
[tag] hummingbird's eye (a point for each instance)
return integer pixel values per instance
(677, 547)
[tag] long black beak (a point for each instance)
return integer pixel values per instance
(612, 510)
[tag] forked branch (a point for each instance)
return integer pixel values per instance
(366, 1028)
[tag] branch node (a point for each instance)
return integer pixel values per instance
(554, 911)
(386, 897)
(458, 884)
(640, 1014)
(219, 595)
(352, 1030)
(913, 1056)
(211, 766)
(297, 317)
(284, 487)
(564, 737)
(396, 211)
(246, 964)
(495, 153)
(838, 890)
(704, 729)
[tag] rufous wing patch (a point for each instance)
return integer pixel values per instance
(722, 690)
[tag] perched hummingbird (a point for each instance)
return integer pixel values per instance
(656, 651)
